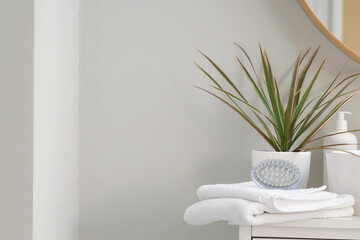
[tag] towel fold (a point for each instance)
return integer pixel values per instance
(285, 201)
(243, 212)
(247, 204)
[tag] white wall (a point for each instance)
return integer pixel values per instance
(16, 103)
(56, 71)
(147, 138)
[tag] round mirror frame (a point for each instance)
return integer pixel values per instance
(340, 45)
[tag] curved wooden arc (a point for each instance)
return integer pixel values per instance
(340, 45)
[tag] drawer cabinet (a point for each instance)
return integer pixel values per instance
(283, 239)
(335, 228)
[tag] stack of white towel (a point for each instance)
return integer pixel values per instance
(247, 204)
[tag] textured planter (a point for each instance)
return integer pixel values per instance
(343, 171)
(300, 159)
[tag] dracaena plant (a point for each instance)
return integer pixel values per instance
(285, 124)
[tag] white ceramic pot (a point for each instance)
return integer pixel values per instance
(300, 159)
(343, 170)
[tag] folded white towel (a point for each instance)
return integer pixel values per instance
(282, 201)
(243, 212)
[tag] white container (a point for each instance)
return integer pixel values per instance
(343, 170)
(344, 138)
(300, 159)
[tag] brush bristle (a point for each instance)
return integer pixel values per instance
(276, 173)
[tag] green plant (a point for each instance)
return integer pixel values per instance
(293, 126)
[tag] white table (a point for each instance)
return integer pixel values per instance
(336, 228)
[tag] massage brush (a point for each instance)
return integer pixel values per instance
(276, 174)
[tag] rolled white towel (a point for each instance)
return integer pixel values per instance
(281, 201)
(243, 212)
